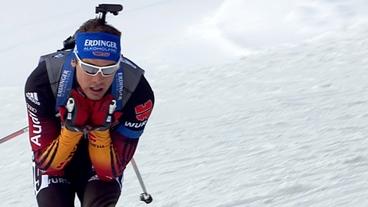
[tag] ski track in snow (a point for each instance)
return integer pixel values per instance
(285, 127)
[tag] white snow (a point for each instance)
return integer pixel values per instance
(276, 124)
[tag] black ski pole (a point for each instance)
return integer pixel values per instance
(145, 197)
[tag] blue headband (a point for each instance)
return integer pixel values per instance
(98, 45)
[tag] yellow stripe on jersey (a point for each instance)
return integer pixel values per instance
(60, 151)
(103, 156)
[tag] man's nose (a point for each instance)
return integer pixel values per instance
(98, 77)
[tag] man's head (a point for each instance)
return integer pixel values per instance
(97, 52)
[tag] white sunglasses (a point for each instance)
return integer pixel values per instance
(93, 70)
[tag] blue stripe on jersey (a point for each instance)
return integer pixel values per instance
(125, 131)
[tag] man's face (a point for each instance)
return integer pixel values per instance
(94, 87)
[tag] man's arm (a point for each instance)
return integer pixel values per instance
(52, 147)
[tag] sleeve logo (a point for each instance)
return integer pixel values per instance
(33, 97)
(143, 111)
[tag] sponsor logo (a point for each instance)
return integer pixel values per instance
(36, 129)
(33, 97)
(31, 108)
(101, 54)
(143, 111)
(135, 125)
(62, 84)
(56, 180)
(100, 43)
(41, 180)
(120, 85)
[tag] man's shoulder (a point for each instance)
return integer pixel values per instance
(143, 86)
(38, 77)
(39, 97)
(130, 64)
(48, 66)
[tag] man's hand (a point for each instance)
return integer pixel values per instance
(75, 114)
(101, 113)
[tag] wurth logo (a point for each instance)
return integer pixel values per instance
(33, 97)
(135, 125)
(143, 111)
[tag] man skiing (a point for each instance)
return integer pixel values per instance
(85, 121)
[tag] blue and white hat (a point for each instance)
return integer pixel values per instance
(98, 45)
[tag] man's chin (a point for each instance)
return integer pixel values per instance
(95, 96)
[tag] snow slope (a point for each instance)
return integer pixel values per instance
(171, 32)
(281, 126)
(284, 127)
